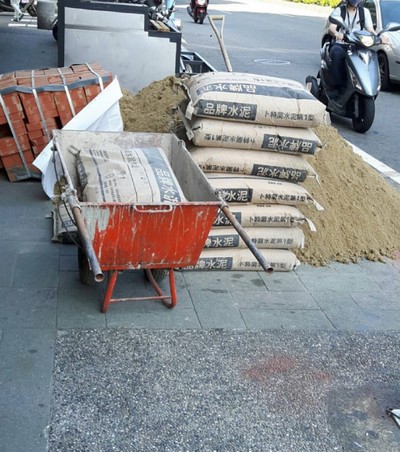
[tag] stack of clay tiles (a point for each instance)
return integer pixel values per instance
(250, 135)
(34, 102)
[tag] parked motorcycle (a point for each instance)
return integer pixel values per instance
(198, 10)
(357, 99)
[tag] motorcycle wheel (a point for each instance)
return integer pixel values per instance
(384, 71)
(201, 18)
(55, 31)
(364, 115)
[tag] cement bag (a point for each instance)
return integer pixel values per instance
(262, 215)
(227, 134)
(262, 237)
(291, 168)
(244, 260)
(257, 190)
(64, 228)
(252, 98)
(137, 175)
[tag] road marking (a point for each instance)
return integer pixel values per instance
(272, 62)
(26, 21)
(385, 170)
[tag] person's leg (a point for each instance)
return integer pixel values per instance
(17, 11)
(169, 4)
(337, 54)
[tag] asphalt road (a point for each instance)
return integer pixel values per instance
(273, 37)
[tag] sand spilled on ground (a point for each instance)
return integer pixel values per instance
(361, 217)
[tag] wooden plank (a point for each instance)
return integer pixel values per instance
(159, 26)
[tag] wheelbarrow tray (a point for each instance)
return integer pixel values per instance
(151, 235)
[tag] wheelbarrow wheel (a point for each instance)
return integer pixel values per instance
(159, 274)
(86, 275)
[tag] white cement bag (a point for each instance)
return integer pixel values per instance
(274, 165)
(252, 98)
(136, 175)
(228, 134)
(262, 215)
(257, 190)
(244, 260)
(262, 237)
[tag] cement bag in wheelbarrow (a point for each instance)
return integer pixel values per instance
(228, 134)
(252, 98)
(244, 260)
(274, 165)
(262, 215)
(262, 237)
(136, 175)
(258, 190)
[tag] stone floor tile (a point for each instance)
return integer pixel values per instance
(285, 319)
(216, 309)
(273, 300)
(26, 357)
(28, 308)
(36, 270)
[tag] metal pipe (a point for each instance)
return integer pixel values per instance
(70, 195)
(87, 244)
(242, 232)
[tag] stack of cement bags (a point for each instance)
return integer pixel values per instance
(250, 134)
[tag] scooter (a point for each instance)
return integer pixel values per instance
(198, 10)
(357, 97)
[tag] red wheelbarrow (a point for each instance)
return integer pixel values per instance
(154, 237)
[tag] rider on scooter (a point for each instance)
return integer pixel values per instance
(193, 4)
(353, 19)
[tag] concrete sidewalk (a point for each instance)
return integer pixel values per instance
(75, 379)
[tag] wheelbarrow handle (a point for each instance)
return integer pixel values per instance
(87, 245)
(242, 232)
(161, 209)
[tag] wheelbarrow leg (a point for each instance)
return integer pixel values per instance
(172, 289)
(112, 279)
(157, 288)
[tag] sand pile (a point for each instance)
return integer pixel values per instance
(361, 217)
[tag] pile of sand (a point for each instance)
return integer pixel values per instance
(361, 217)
